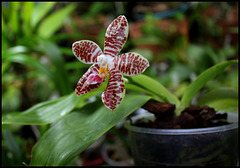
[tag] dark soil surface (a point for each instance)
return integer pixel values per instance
(191, 117)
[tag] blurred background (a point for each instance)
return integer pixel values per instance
(180, 40)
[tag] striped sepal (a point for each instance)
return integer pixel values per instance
(116, 36)
(115, 90)
(131, 64)
(86, 51)
(84, 84)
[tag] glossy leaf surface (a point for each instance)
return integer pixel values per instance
(43, 113)
(156, 88)
(75, 132)
(49, 111)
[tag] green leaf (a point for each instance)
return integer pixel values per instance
(142, 90)
(200, 81)
(53, 22)
(50, 111)
(155, 88)
(78, 130)
(137, 88)
(45, 112)
(221, 99)
(40, 10)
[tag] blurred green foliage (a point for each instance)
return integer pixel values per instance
(38, 64)
(32, 64)
(26, 40)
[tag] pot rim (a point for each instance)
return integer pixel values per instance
(231, 116)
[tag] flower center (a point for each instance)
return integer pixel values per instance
(106, 63)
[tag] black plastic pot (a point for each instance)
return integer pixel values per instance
(215, 146)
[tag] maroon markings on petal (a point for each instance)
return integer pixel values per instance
(116, 36)
(131, 64)
(115, 90)
(86, 83)
(86, 51)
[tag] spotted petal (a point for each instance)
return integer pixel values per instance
(115, 90)
(116, 36)
(86, 51)
(131, 64)
(86, 83)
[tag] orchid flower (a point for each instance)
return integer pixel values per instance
(108, 63)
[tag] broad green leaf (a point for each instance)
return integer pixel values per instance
(53, 22)
(49, 111)
(40, 10)
(221, 99)
(156, 88)
(200, 81)
(43, 113)
(78, 130)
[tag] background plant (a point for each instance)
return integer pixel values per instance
(31, 63)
